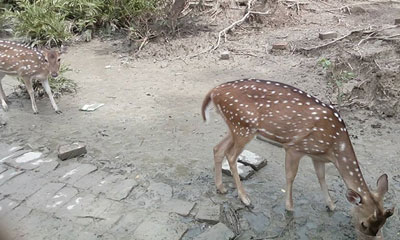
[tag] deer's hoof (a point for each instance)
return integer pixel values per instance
(246, 201)
(222, 190)
(331, 207)
(36, 112)
(5, 106)
(58, 111)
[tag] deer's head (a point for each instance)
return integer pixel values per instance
(52, 58)
(369, 214)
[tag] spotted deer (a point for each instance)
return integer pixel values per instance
(29, 64)
(303, 125)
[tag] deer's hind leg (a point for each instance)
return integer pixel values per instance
(320, 171)
(3, 97)
(219, 153)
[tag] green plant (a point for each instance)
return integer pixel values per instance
(39, 22)
(336, 77)
(62, 84)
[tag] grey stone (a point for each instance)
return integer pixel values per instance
(251, 159)
(60, 198)
(209, 214)
(397, 21)
(6, 205)
(160, 226)
(40, 198)
(90, 180)
(103, 185)
(18, 213)
(218, 231)
(6, 150)
(21, 160)
(327, 35)
(160, 191)
(224, 55)
(76, 206)
(36, 164)
(45, 166)
(129, 223)
(72, 173)
(280, 46)
(7, 175)
(120, 190)
(71, 150)
(23, 186)
(12, 155)
(244, 171)
(178, 206)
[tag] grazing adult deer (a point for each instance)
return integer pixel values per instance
(29, 64)
(303, 125)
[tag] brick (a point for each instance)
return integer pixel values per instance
(280, 46)
(244, 171)
(71, 150)
(327, 35)
(224, 55)
(209, 214)
(7, 175)
(178, 206)
(218, 231)
(397, 21)
(253, 160)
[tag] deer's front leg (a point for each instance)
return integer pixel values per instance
(320, 171)
(219, 154)
(291, 166)
(29, 88)
(46, 86)
(3, 97)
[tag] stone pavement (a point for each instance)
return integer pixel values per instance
(44, 198)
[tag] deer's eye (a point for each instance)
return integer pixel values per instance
(46, 60)
(58, 60)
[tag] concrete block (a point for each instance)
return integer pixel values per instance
(327, 35)
(209, 214)
(71, 150)
(178, 206)
(244, 171)
(280, 46)
(253, 160)
(218, 231)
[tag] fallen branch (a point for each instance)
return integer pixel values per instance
(329, 43)
(244, 18)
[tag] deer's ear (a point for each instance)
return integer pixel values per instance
(353, 197)
(382, 185)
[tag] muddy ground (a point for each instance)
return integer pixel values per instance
(150, 127)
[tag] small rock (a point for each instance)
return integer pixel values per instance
(107, 67)
(397, 21)
(280, 46)
(224, 55)
(209, 214)
(218, 231)
(376, 125)
(327, 35)
(253, 160)
(244, 171)
(71, 150)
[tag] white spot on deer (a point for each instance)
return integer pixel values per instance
(351, 173)
(342, 146)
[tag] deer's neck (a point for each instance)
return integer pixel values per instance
(348, 167)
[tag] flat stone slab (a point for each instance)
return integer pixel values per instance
(244, 171)
(6, 205)
(40, 199)
(12, 155)
(68, 151)
(9, 174)
(121, 189)
(60, 198)
(209, 214)
(218, 231)
(23, 186)
(253, 160)
(24, 158)
(160, 226)
(178, 206)
(6, 149)
(72, 173)
(76, 206)
(129, 222)
(36, 163)
(2, 168)
(90, 180)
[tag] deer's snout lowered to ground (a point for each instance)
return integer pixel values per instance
(29, 64)
(304, 126)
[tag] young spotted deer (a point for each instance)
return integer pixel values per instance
(303, 125)
(29, 64)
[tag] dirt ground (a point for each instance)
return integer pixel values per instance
(150, 127)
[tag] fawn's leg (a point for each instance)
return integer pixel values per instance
(232, 155)
(3, 97)
(46, 86)
(320, 171)
(29, 88)
(219, 154)
(291, 166)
